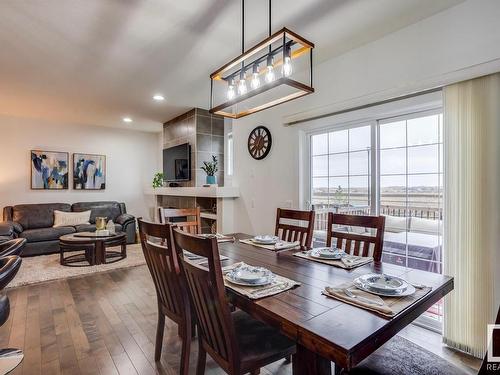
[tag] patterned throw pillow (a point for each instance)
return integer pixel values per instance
(70, 219)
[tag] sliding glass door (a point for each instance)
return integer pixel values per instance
(390, 167)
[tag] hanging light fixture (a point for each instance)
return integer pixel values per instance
(281, 70)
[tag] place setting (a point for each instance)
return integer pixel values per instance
(220, 237)
(255, 282)
(334, 257)
(383, 294)
(271, 242)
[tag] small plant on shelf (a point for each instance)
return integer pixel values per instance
(158, 180)
(210, 168)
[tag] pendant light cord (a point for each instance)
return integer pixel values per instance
(242, 26)
(269, 17)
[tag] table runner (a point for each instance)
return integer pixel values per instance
(337, 262)
(280, 284)
(391, 305)
(285, 245)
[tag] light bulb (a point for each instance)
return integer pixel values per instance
(230, 90)
(287, 67)
(242, 86)
(255, 83)
(270, 73)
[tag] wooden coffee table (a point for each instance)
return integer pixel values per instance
(92, 248)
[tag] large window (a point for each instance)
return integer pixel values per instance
(390, 167)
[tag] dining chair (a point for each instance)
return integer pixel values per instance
(187, 219)
(12, 247)
(288, 226)
(353, 242)
(239, 343)
(173, 301)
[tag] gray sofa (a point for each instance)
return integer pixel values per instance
(34, 223)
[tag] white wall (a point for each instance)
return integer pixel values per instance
(131, 156)
(457, 44)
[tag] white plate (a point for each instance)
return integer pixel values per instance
(327, 253)
(266, 239)
(384, 285)
(242, 283)
(382, 282)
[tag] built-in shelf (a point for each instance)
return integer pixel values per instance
(208, 215)
(208, 192)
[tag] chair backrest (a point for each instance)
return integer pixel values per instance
(353, 242)
(293, 231)
(9, 266)
(207, 292)
(495, 344)
(156, 241)
(191, 217)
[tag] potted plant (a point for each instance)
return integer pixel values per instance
(158, 180)
(210, 168)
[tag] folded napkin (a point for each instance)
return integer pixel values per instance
(363, 299)
(278, 246)
(220, 237)
(387, 307)
(279, 284)
(348, 262)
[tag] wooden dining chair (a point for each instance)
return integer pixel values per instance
(171, 293)
(353, 242)
(292, 232)
(186, 219)
(239, 343)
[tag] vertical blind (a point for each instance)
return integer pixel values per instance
(472, 209)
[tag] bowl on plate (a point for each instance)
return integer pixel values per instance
(248, 275)
(327, 253)
(265, 239)
(384, 285)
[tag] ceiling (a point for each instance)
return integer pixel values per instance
(93, 62)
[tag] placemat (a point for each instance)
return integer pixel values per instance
(285, 245)
(279, 285)
(390, 307)
(337, 262)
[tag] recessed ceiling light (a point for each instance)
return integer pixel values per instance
(158, 97)
(127, 119)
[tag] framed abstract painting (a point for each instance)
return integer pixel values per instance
(89, 172)
(49, 170)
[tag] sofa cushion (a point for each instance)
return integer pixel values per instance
(45, 234)
(426, 226)
(70, 219)
(32, 216)
(91, 228)
(109, 210)
(395, 224)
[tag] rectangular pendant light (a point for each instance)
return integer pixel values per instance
(274, 71)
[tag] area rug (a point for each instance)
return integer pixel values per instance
(47, 267)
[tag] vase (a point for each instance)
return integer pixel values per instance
(211, 180)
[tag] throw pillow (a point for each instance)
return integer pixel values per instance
(70, 219)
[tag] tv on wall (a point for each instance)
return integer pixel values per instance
(177, 163)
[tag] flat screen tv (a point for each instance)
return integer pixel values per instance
(177, 163)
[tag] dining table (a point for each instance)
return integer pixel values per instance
(325, 329)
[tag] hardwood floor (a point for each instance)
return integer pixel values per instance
(105, 323)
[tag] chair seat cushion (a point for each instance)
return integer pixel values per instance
(45, 234)
(4, 309)
(401, 356)
(91, 228)
(259, 341)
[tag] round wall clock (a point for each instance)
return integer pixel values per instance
(259, 142)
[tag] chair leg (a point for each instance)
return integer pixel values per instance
(202, 359)
(255, 372)
(159, 335)
(186, 346)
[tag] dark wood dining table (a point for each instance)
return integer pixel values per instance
(326, 330)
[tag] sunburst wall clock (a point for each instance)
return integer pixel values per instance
(259, 142)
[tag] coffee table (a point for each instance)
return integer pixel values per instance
(93, 248)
